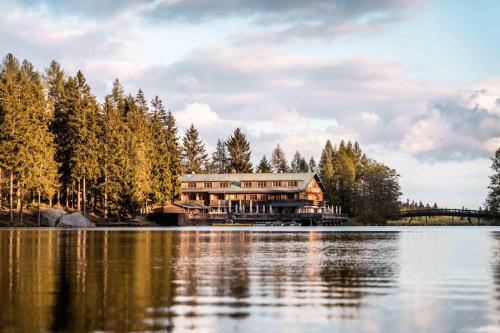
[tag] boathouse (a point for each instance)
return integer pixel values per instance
(252, 193)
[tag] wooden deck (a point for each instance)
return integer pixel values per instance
(304, 219)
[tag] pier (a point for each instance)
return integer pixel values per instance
(257, 219)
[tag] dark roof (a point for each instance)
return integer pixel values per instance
(235, 179)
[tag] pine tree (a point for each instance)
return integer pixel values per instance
(114, 161)
(493, 200)
(140, 150)
(345, 177)
(379, 192)
(299, 163)
(264, 165)
(326, 170)
(278, 160)
(27, 145)
(161, 177)
(239, 152)
(193, 151)
(11, 131)
(84, 155)
(220, 161)
(173, 148)
(312, 165)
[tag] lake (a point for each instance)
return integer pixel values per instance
(358, 279)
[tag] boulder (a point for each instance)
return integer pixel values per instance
(75, 220)
(52, 216)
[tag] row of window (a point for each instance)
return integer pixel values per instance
(293, 183)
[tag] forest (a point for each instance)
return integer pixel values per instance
(60, 146)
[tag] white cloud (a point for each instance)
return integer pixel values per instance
(426, 135)
(370, 118)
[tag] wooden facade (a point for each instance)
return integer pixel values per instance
(256, 192)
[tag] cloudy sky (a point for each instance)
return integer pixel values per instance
(416, 82)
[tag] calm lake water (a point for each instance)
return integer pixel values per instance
(407, 279)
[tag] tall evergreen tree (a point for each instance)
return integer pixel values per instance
(27, 145)
(264, 165)
(299, 163)
(220, 160)
(173, 148)
(239, 152)
(84, 154)
(140, 150)
(193, 151)
(114, 160)
(493, 200)
(11, 122)
(312, 165)
(278, 160)
(161, 176)
(378, 193)
(326, 170)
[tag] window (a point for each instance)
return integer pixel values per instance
(293, 183)
(261, 184)
(246, 184)
(224, 184)
(207, 184)
(192, 184)
(276, 184)
(253, 196)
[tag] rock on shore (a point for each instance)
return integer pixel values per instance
(75, 220)
(52, 216)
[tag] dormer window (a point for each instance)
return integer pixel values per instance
(207, 185)
(261, 184)
(293, 183)
(276, 184)
(224, 184)
(246, 184)
(192, 184)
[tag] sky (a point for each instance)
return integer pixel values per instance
(416, 83)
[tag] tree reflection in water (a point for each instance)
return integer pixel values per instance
(143, 280)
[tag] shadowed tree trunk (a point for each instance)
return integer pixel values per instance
(11, 195)
(38, 208)
(78, 201)
(1, 188)
(84, 197)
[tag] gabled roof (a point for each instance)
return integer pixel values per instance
(235, 180)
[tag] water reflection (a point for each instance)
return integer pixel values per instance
(223, 281)
(76, 281)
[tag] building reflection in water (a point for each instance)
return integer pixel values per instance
(210, 280)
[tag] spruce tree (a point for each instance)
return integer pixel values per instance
(278, 160)
(160, 159)
(264, 165)
(239, 152)
(173, 148)
(193, 151)
(493, 200)
(326, 170)
(84, 152)
(114, 161)
(312, 165)
(11, 132)
(299, 163)
(161, 178)
(220, 161)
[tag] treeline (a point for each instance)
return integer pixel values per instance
(413, 205)
(362, 186)
(60, 146)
